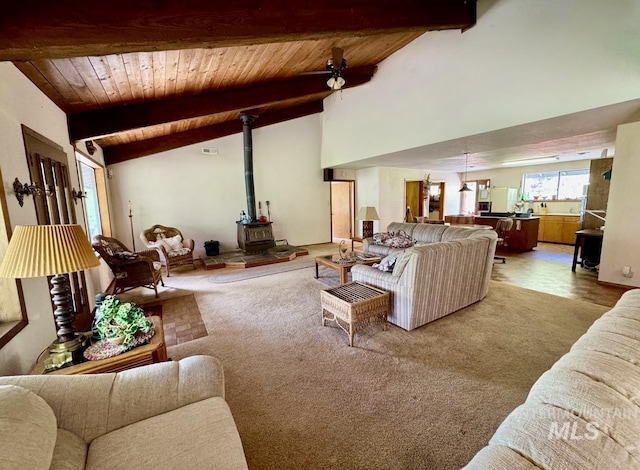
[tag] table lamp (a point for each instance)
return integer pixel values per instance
(367, 214)
(52, 250)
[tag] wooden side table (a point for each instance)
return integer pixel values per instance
(154, 351)
(354, 305)
(581, 238)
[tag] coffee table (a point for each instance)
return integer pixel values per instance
(353, 306)
(333, 262)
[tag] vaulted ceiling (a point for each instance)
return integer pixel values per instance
(141, 77)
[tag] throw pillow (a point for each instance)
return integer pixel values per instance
(388, 262)
(174, 242)
(400, 240)
(163, 243)
(380, 238)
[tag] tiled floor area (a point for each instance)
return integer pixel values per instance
(548, 269)
(181, 318)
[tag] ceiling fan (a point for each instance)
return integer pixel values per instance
(335, 66)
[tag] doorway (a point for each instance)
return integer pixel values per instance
(436, 201)
(342, 210)
(424, 202)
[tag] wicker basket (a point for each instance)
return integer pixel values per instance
(353, 306)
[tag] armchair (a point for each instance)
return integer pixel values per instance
(131, 270)
(167, 415)
(174, 249)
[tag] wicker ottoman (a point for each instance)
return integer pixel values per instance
(353, 306)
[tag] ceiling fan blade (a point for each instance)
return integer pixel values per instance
(316, 72)
(337, 53)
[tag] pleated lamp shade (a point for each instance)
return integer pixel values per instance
(368, 213)
(47, 250)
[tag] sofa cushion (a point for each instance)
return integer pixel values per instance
(382, 250)
(592, 400)
(397, 226)
(456, 233)
(199, 435)
(553, 438)
(429, 233)
(27, 430)
(70, 452)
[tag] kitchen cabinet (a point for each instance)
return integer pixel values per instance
(523, 236)
(558, 229)
(459, 219)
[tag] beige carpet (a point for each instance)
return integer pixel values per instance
(430, 398)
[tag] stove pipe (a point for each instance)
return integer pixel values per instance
(248, 166)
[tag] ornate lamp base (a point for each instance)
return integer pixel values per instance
(367, 228)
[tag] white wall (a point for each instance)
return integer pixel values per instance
(22, 103)
(203, 195)
(368, 194)
(620, 243)
(523, 61)
(384, 188)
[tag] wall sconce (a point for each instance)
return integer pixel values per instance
(77, 195)
(22, 190)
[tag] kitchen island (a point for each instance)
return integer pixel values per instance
(523, 236)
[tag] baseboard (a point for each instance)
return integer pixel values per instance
(613, 284)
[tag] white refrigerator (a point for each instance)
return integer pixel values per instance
(503, 199)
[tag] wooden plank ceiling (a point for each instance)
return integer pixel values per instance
(141, 77)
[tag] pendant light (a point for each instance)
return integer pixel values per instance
(464, 182)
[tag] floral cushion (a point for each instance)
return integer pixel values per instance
(180, 252)
(398, 239)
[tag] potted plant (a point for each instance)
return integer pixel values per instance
(118, 321)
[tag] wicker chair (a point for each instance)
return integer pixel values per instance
(169, 258)
(131, 270)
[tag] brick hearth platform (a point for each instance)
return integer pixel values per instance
(239, 259)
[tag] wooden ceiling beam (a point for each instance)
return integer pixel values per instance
(75, 28)
(142, 148)
(100, 123)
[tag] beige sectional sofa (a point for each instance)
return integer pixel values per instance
(584, 412)
(450, 270)
(161, 416)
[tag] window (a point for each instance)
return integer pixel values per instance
(555, 185)
(92, 184)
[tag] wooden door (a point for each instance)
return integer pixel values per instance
(413, 191)
(48, 169)
(342, 210)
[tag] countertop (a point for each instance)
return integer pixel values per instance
(563, 214)
(533, 216)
